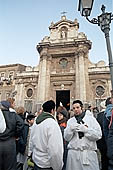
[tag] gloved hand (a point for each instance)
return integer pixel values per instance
(74, 127)
(82, 128)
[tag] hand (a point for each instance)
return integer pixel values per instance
(82, 128)
(74, 127)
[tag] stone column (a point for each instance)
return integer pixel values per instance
(19, 98)
(82, 83)
(43, 91)
(77, 78)
(80, 76)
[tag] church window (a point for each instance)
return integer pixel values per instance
(100, 90)
(2, 76)
(11, 74)
(29, 92)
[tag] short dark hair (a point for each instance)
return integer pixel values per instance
(108, 101)
(48, 106)
(78, 101)
(30, 117)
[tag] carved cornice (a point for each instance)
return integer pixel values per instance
(27, 85)
(60, 83)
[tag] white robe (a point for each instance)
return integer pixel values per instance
(46, 144)
(2, 122)
(82, 152)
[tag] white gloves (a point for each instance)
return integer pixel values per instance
(82, 128)
(74, 127)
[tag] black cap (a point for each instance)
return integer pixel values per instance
(64, 113)
(30, 117)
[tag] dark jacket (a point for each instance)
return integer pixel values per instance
(101, 144)
(106, 120)
(65, 143)
(22, 140)
(110, 143)
(14, 125)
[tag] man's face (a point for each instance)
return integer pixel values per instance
(53, 112)
(77, 109)
(31, 122)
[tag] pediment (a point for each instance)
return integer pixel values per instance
(65, 22)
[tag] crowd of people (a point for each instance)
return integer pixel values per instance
(79, 139)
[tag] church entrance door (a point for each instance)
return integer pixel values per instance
(63, 96)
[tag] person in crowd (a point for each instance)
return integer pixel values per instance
(110, 144)
(101, 144)
(2, 121)
(82, 132)
(46, 140)
(12, 103)
(70, 113)
(30, 119)
(62, 116)
(89, 111)
(95, 111)
(38, 112)
(22, 140)
(107, 117)
(14, 126)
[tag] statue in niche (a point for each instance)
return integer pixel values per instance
(63, 32)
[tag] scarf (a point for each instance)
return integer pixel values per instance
(43, 116)
(80, 117)
(79, 120)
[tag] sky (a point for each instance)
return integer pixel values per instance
(24, 23)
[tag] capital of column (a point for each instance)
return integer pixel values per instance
(81, 51)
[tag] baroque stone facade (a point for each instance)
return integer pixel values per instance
(64, 72)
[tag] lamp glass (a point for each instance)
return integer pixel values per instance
(86, 7)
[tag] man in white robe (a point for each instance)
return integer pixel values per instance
(46, 143)
(82, 132)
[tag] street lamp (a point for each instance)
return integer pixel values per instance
(104, 20)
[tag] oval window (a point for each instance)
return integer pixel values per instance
(29, 92)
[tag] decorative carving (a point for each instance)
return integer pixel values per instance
(63, 62)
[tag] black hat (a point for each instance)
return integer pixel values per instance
(30, 117)
(64, 113)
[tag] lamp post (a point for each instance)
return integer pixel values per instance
(104, 20)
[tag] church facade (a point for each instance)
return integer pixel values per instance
(64, 73)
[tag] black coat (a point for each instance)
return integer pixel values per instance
(110, 143)
(101, 143)
(14, 125)
(22, 140)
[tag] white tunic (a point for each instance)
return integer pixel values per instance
(46, 144)
(2, 122)
(81, 152)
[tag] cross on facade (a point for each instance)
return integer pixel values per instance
(63, 13)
